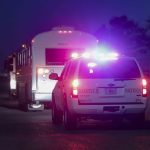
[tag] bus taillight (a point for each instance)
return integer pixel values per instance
(43, 71)
(40, 70)
(12, 84)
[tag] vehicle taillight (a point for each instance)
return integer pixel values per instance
(13, 84)
(42, 71)
(75, 85)
(144, 87)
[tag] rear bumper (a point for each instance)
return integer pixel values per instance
(36, 107)
(111, 116)
(107, 109)
(43, 97)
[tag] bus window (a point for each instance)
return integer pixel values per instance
(57, 56)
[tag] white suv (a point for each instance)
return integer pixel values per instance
(99, 88)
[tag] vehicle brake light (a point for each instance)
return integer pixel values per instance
(144, 87)
(75, 85)
(144, 92)
(75, 93)
(144, 82)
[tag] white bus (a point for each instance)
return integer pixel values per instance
(48, 53)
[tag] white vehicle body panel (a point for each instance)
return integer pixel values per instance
(102, 96)
(101, 91)
(54, 40)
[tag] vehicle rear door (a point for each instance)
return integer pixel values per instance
(113, 83)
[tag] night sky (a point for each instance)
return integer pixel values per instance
(21, 20)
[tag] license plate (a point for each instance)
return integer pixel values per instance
(110, 91)
(111, 108)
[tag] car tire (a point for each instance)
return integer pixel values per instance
(57, 116)
(139, 120)
(70, 120)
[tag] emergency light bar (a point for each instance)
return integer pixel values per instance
(74, 55)
(96, 55)
(108, 56)
(86, 55)
(92, 64)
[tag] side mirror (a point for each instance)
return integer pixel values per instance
(54, 76)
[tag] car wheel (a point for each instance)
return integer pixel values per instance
(138, 120)
(117, 122)
(57, 116)
(70, 120)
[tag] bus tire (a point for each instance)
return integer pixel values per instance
(23, 104)
(138, 120)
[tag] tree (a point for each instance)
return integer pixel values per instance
(148, 32)
(148, 24)
(127, 37)
(124, 35)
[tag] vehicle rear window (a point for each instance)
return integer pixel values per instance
(57, 56)
(121, 68)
